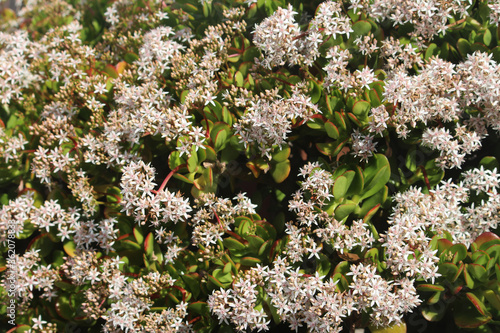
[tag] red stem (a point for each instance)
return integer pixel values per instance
(165, 181)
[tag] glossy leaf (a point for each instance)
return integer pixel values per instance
(280, 171)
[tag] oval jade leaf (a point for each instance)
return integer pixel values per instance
(215, 281)
(138, 234)
(430, 287)
(233, 244)
(459, 252)
(480, 307)
(485, 237)
(281, 155)
(238, 79)
(361, 27)
(250, 261)
(331, 130)
(478, 272)
(200, 308)
(342, 211)
(149, 244)
(340, 187)
(361, 109)
(280, 171)
(448, 270)
(69, 247)
(433, 313)
(463, 47)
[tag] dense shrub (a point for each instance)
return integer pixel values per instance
(231, 165)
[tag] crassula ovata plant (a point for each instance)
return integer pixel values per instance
(258, 165)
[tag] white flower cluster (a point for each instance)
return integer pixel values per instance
(29, 275)
(343, 238)
(443, 210)
(314, 192)
(215, 216)
(363, 146)
(11, 148)
(156, 52)
(441, 92)
(388, 300)
(144, 203)
(339, 76)
(300, 298)
(267, 121)
(15, 73)
(379, 119)
(280, 37)
(429, 17)
(238, 306)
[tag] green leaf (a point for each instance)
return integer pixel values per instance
(245, 226)
(361, 109)
(443, 245)
(493, 298)
(378, 181)
(464, 47)
(238, 78)
(63, 307)
(361, 27)
(233, 244)
(331, 148)
(43, 243)
(375, 200)
(342, 267)
(174, 159)
(468, 278)
(280, 171)
(315, 92)
(459, 252)
(478, 305)
(486, 239)
(192, 162)
(331, 130)
(149, 245)
(433, 313)
(478, 272)
(192, 282)
(430, 287)
(448, 270)
(255, 241)
(487, 37)
(496, 53)
(494, 252)
(250, 261)
(131, 57)
(341, 186)
(200, 308)
(138, 234)
(432, 49)
(358, 182)
(323, 265)
(344, 210)
(223, 277)
(215, 281)
(111, 71)
(490, 162)
(220, 134)
(281, 155)
(264, 249)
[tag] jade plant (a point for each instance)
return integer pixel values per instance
(234, 166)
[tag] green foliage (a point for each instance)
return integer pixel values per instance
(225, 137)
